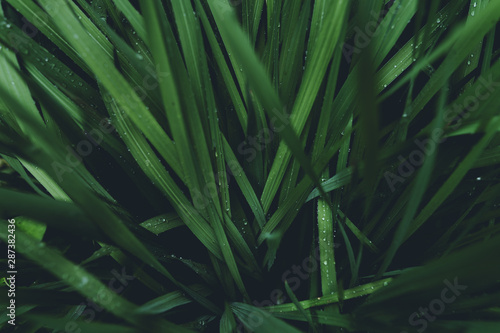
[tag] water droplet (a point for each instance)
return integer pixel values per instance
(438, 20)
(84, 281)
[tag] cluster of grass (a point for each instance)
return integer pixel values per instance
(261, 166)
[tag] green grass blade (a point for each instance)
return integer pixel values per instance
(260, 321)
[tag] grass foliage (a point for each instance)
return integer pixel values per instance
(261, 166)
